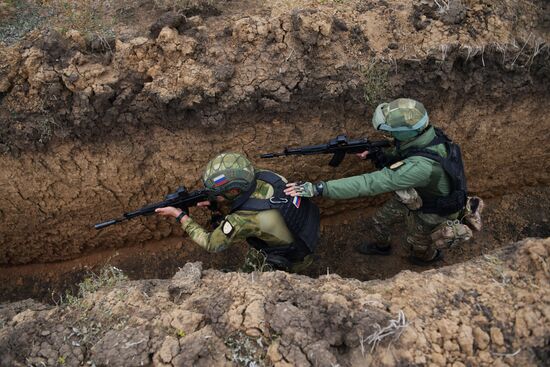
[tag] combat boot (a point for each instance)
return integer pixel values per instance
(373, 248)
(421, 262)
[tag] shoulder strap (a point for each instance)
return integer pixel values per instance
(440, 138)
(271, 178)
(245, 202)
(244, 197)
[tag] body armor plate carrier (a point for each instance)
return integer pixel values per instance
(453, 167)
(300, 215)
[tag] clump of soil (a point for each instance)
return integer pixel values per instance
(493, 310)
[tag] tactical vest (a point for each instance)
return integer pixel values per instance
(453, 167)
(301, 216)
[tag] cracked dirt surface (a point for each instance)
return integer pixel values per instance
(88, 134)
(507, 219)
(459, 315)
(90, 128)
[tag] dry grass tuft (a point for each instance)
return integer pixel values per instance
(394, 328)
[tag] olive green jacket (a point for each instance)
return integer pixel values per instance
(267, 225)
(425, 175)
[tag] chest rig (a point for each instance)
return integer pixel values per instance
(453, 167)
(301, 216)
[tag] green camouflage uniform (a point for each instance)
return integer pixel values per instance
(267, 225)
(420, 173)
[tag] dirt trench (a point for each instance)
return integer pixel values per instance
(89, 133)
(459, 315)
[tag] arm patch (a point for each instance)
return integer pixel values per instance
(397, 165)
(227, 228)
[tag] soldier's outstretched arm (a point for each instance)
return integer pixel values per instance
(401, 175)
(411, 172)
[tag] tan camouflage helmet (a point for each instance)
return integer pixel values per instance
(228, 171)
(403, 114)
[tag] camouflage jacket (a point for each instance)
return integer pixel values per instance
(423, 174)
(267, 225)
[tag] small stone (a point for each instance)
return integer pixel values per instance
(439, 359)
(273, 353)
(466, 340)
(496, 336)
(169, 349)
(481, 338)
(76, 37)
(485, 356)
(447, 328)
(450, 346)
(500, 363)
(420, 359)
(409, 337)
(186, 321)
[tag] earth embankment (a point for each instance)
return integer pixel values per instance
(90, 133)
(459, 315)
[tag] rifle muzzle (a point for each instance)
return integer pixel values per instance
(105, 224)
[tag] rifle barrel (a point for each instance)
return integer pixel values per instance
(105, 224)
(270, 155)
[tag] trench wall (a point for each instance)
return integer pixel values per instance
(88, 135)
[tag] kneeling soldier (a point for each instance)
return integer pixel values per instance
(426, 172)
(282, 229)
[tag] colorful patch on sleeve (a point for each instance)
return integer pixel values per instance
(297, 201)
(220, 180)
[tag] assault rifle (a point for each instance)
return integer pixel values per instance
(181, 199)
(339, 147)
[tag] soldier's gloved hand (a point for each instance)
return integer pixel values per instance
(304, 189)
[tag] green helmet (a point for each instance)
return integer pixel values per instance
(404, 118)
(228, 171)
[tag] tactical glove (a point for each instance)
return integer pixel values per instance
(305, 189)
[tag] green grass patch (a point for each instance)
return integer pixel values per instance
(375, 82)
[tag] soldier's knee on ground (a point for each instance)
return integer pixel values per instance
(424, 250)
(421, 245)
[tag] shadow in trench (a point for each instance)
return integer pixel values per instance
(506, 219)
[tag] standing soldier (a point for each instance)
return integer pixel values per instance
(425, 171)
(283, 231)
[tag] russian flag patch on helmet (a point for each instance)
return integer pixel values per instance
(297, 201)
(220, 180)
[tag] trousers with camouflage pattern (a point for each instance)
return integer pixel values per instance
(419, 227)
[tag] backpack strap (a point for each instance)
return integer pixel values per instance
(245, 202)
(244, 197)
